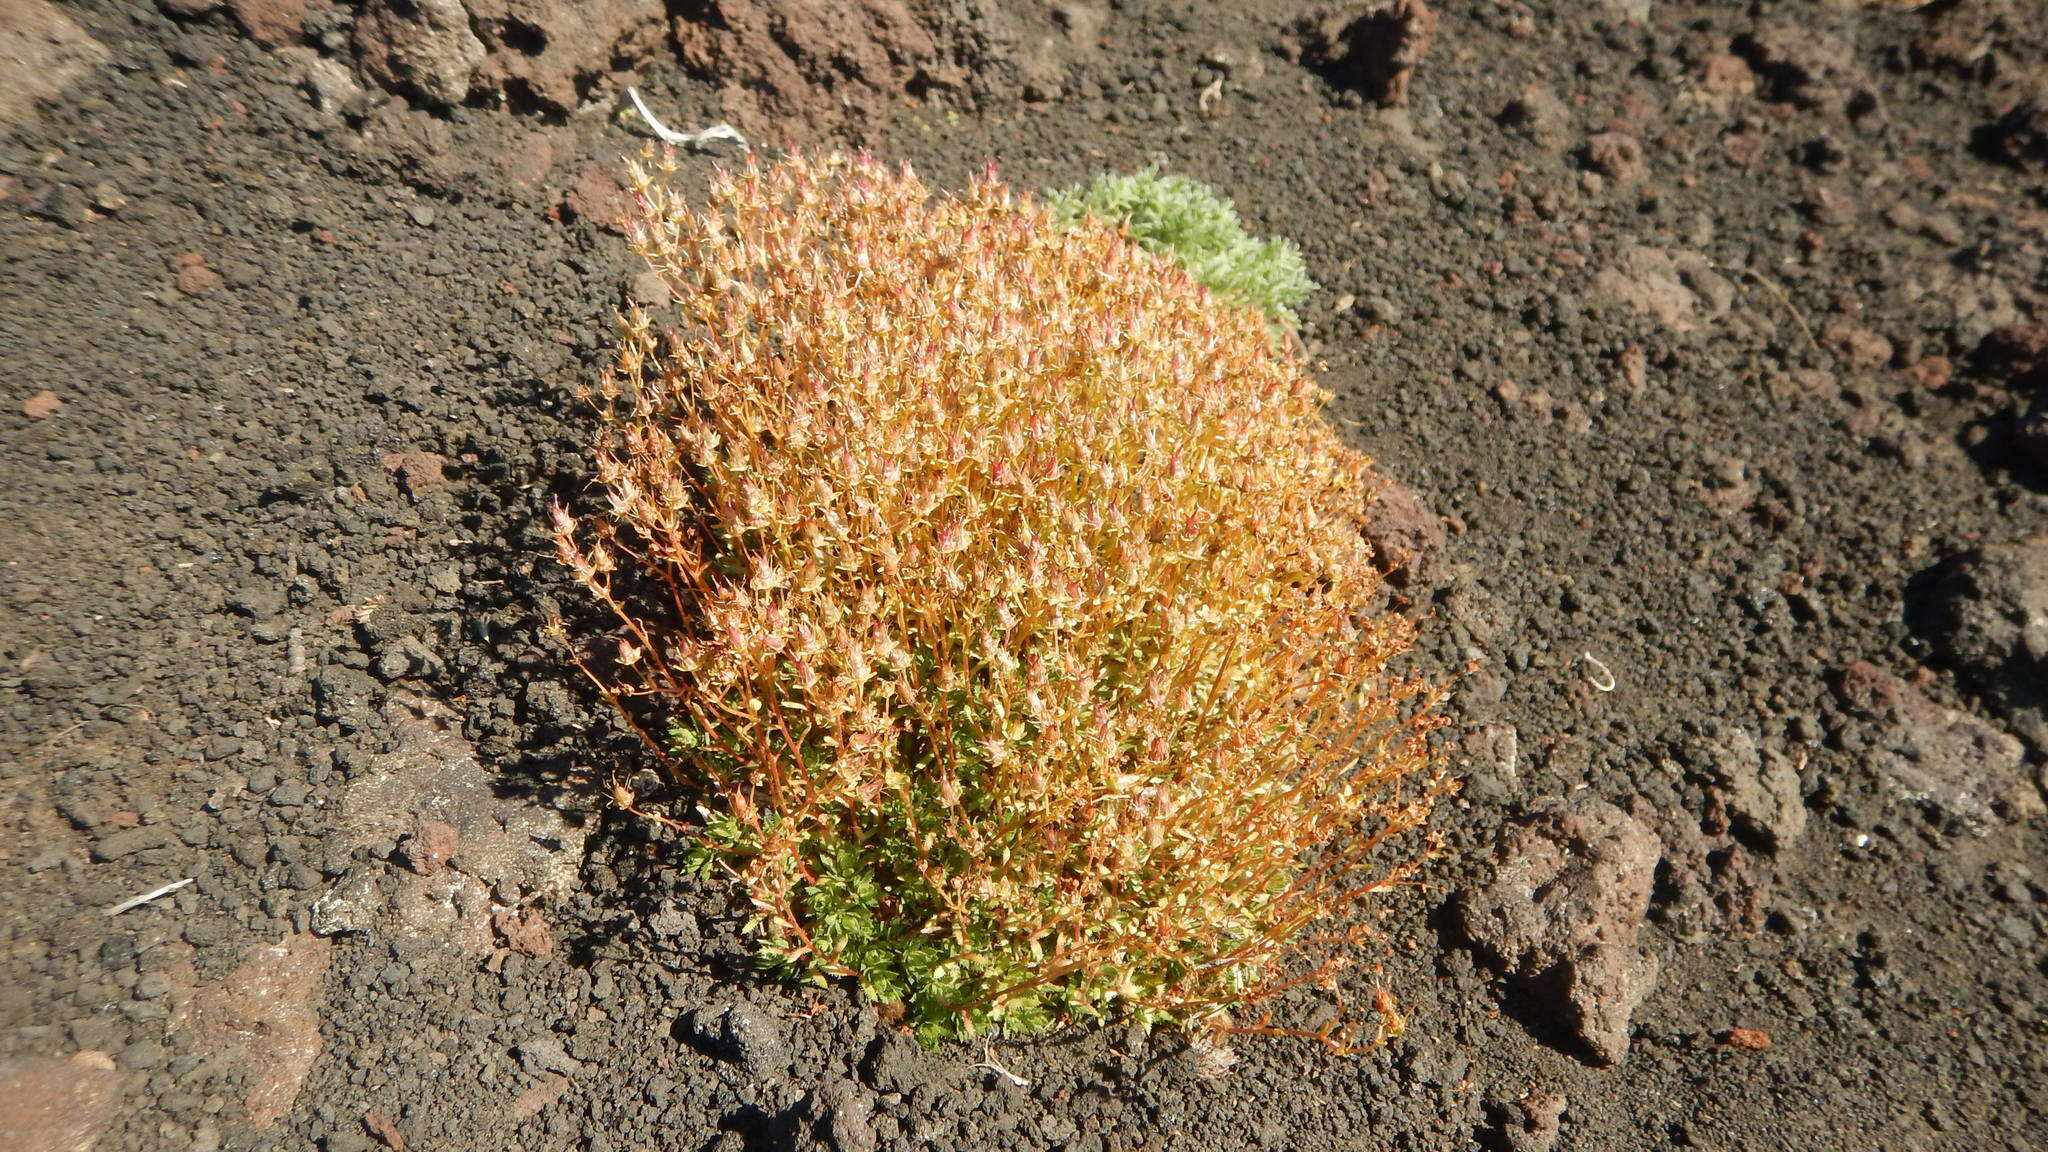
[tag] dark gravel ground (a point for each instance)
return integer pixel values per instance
(1712, 352)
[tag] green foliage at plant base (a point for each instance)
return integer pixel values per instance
(868, 904)
(1191, 222)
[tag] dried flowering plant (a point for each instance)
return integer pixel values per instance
(1004, 595)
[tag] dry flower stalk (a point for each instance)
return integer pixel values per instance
(1006, 596)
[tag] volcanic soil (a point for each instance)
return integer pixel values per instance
(1704, 343)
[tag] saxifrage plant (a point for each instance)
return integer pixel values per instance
(1188, 220)
(1004, 595)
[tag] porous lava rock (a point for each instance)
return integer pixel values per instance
(1710, 884)
(555, 55)
(1616, 155)
(1757, 787)
(791, 69)
(1955, 765)
(840, 1117)
(1532, 1123)
(265, 1017)
(1560, 915)
(1539, 115)
(1405, 535)
(272, 23)
(1800, 65)
(1678, 288)
(537, 53)
(42, 50)
(2016, 354)
(1986, 615)
(52, 1105)
(2030, 433)
(422, 48)
(1371, 48)
(2020, 136)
